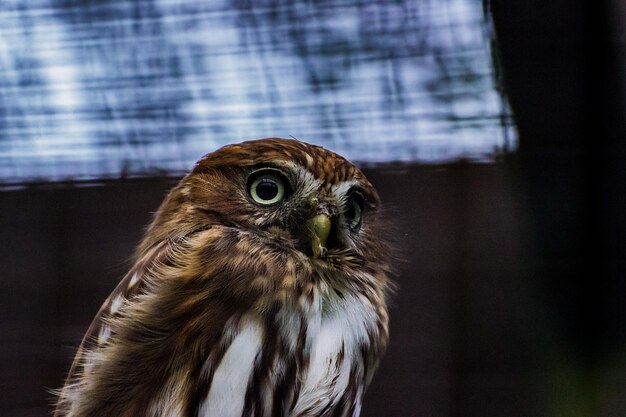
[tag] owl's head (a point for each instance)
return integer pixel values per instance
(303, 196)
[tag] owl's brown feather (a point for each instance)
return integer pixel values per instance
(227, 312)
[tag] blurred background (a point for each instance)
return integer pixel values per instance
(494, 133)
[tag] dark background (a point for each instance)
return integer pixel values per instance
(511, 298)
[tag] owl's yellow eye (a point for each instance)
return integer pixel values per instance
(267, 188)
(354, 210)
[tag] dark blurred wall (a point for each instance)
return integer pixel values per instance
(564, 71)
(463, 320)
(511, 292)
(483, 323)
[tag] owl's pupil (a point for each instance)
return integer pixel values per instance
(267, 189)
(350, 211)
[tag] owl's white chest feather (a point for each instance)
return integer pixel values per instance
(336, 330)
(227, 392)
(342, 331)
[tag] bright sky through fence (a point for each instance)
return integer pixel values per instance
(115, 88)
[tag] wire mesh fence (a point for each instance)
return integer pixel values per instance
(116, 88)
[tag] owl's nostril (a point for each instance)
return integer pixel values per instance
(327, 209)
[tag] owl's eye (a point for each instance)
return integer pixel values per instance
(354, 210)
(268, 187)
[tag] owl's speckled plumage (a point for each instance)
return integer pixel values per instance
(228, 311)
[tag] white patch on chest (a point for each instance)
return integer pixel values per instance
(230, 381)
(342, 326)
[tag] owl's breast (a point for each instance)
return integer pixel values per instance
(300, 360)
(338, 343)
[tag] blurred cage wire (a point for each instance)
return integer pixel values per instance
(112, 89)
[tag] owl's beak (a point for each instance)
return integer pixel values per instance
(320, 226)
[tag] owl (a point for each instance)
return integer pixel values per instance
(258, 290)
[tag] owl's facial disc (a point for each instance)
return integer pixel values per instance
(318, 217)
